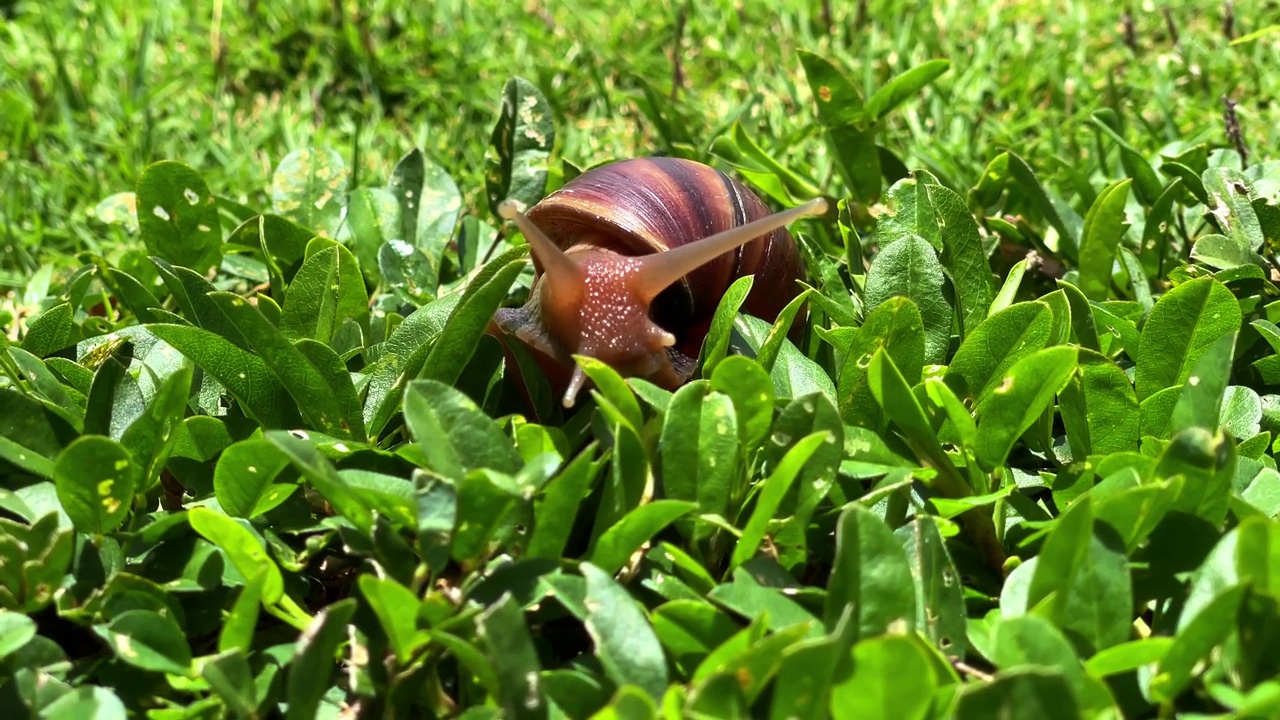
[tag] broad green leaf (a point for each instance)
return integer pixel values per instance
(624, 640)
(148, 640)
(904, 86)
(1179, 330)
(1020, 395)
(772, 490)
(1104, 226)
(716, 343)
(613, 548)
(96, 479)
(323, 409)
(458, 340)
(690, 629)
(555, 511)
(1058, 214)
(177, 217)
(429, 204)
(1025, 694)
(326, 291)
(962, 253)
(453, 434)
(939, 606)
(1128, 656)
(892, 678)
(617, 397)
(16, 630)
(407, 272)
(995, 345)
(244, 478)
(911, 268)
(313, 663)
(322, 476)
(894, 325)
(514, 657)
(309, 187)
(86, 703)
(1200, 402)
(1099, 408)
(870, 574)
(230, 676)
(1207, 463)
(373, 217)
(50, 331)
(751, 390)
(1230, 206)
(794, 374)
(750, 663)
(849, 134)
(1083, 578)
(699, 449)
(241, 623)
(244, 374)
(516, 167)
(397, 610)
(485, 499)
(241, 547)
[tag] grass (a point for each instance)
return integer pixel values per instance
(1016, 458)
(91, 94)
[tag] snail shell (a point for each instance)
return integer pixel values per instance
(631, 260)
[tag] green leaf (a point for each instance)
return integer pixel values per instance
(326, 481)
(16, 630)
(242, 548)
(963, 255)
(617, 397)
(50, 331)
(1104, 226)
(1200, 402)
(940, 609)
(894, 325)
(1231, 207)
(625, 642)
(96, 478)
(86, 703)
(244, 375)
(397, 610)
(554, 513)
(148, 640)
(1179, 330)
(904, 86)
(309, 187)
(313, 658)
(1020, 395)
(230, 676)
(751, 390)
(613, 548)
(1022, 694)
(327, 290)
(699, 449)
(772, 490)
(1058, 214)
(1005, 337)
(1083, 577)
(177, 217)
(244, 478)
(892, 678)
(242, 622)
(429, 204)
(453, 433)
(373, 216)
(870, 574)
(1099, 407)
(794, 374)
(458, 340)
(521, 144)
(515, 658)
(716, 343)
(324, 410)
(910, 268)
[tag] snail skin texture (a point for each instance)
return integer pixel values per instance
(631, 259)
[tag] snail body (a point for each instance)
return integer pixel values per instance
(631, 259)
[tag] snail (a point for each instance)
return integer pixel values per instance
(631, 259)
